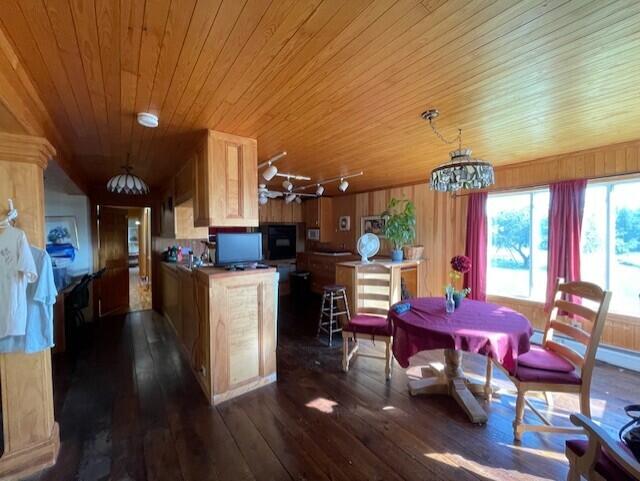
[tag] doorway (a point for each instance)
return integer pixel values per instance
(124, 241)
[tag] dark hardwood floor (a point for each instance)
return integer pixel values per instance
(130, 409)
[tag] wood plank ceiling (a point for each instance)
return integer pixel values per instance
(339, 84)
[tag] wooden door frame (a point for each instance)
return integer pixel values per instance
(121, 202)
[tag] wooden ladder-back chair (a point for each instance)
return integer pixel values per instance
(556, 367)
(375, 290)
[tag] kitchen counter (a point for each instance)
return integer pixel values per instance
(226, 323)
(385, 262)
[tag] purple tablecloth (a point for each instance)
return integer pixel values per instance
(475, 326)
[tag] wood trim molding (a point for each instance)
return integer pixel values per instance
(26, 148)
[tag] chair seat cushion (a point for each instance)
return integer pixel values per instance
(606, 467)
(528, 374)
(366, 324)
(540, 358)
(333, 287)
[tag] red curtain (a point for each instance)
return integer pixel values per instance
(566, 207)
(476, 246)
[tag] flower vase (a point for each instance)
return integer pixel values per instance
(457, 299)
(450, 304)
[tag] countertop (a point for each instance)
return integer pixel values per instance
(384, 262)
(216, 271)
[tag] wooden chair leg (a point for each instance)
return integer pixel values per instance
(331, 302)
(345, 353)
(520, 404)
(488, 390)
(387, 360)
(585, 401)
(324, 298)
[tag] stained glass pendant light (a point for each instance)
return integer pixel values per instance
(461, 171)
(127, 183)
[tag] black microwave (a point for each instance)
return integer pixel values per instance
(280, 242)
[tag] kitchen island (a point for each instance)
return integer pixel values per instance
(226, 323)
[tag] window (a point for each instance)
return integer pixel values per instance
(610, 244)
(517, 244)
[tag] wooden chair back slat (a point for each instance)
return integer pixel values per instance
(566, 352)
(579, 310)
(592, 321)
(586, 290)
(374, 284)
(574, 332)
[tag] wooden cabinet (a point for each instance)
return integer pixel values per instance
(226, 179)
(322, 268)
(277, 211)
(237, 318)
(176, 213)
(318, 214)
(184, 183)
(170, 296)
(167, 219)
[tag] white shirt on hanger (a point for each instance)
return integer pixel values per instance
(17, 269)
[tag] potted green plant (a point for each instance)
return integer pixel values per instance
(399, 226)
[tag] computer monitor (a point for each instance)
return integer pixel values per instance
(238, 248)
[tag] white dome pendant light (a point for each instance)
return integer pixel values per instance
(127, 183)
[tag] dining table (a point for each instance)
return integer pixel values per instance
(475, 327)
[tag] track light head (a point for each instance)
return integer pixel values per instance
(298, 200)
(287, 185)
(290, 198)
(320, 190)
(270, 172)
(262, 199)
(343, 186)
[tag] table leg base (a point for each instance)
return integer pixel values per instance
(437, 379)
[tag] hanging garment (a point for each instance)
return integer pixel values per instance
(17, 269)
(41, 296)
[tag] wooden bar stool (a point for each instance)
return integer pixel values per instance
(329, 311)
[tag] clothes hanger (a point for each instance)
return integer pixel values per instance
(12, 215)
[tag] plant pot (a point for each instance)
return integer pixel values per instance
(457, 298)
(413, 252)
(397, 255)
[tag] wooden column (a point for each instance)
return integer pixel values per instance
(31, 439)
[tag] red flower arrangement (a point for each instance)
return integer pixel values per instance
(461, 264)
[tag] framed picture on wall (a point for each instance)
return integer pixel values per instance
(62, 239)
(373, 224)
(344, 223)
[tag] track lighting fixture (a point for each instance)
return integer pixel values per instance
(298, 199)
(287, 185)
(343, 185)
(262, 199)
(271, 170)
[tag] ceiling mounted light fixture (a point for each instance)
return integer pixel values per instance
(461, 171)
(343, 186)
(287, 185)
(148, 120)
(320, 190)
(127, 183)
(271, 170)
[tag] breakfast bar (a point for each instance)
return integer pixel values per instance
(226, 322)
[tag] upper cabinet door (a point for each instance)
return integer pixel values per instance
(226, 181)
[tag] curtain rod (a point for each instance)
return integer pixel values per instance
(540, 185)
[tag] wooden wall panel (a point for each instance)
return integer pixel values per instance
(610, 160)
(440, 225)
